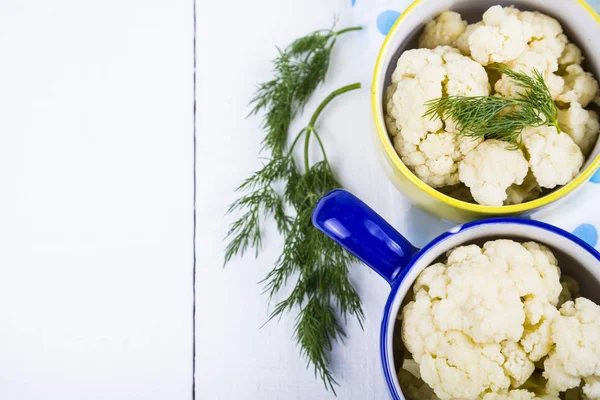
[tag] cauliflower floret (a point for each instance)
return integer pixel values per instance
(581, 124)
(527, 191)
(526, 63)
(408, 105)
(463, 40)
(554, 158)
(467, 306)
(570, 55)
(443, 30)
(541, 53)
(592, 387)
(431, 152)
(580, 86)
(439, 167)
(516, 365)
(474, 326)
(537, 337)
(490, 169)
(576, 355)
(390, 122)
(531, 267)
(462, 370)
(544, 26)
(502, 38)
(465, 77)
(432, 161)
(517, 395)
(546, 265)
(413, 387)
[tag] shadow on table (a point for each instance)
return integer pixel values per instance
(421, 227)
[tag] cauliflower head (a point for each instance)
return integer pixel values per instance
(428, 147)
(554, 158)
(580, 86)
(542, 52)
(581, 124)
(571, 55)
(576, 352)
(444, 30)
(502, 37)
(527, 191)
(490, 169)
(470, 320)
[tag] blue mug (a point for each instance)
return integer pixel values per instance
(360, 230)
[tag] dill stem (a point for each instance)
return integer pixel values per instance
(328, 99)
(306, 141)
(295, 141)
(322, 147)
(354, 28)
(313, 120)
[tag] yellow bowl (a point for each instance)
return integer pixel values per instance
(582, 26)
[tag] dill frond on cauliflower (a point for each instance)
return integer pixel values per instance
(450, 62)
(430, 148)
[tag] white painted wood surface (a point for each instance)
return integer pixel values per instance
(96, 153)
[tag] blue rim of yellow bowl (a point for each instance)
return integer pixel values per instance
(390, 152)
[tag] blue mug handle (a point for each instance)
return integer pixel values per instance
(361, 231)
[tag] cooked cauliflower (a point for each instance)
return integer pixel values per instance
(591, 389)
(527, 191)
(490, 169)
(554, 158)
(451, 62)
(431, 152)
(444, 30)
(462, 43)
(517, 364)
(517, 395)
(413, 387)
(581, 124)
(526, 63)
(501, 38)
(576, 353)
(571, 55)
(537, 337)
(475, 321)
(580, 86)
(542, 52)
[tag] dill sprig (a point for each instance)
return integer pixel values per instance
(299, 70)
(496, 117)
(323, 293)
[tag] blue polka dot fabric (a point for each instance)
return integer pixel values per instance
(588, 233)
(386, 19)
(596, 177)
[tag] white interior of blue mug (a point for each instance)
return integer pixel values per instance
(578, 24)
(573, 259)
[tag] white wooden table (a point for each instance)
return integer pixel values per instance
(96, 212)
(96, 171)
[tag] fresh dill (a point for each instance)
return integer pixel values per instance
(322, 293)
(299, 70)
(496, 117)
